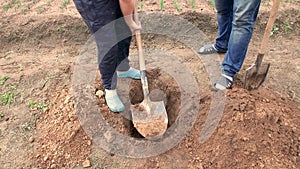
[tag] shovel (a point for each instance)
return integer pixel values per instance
(257, 72)
(149, 117)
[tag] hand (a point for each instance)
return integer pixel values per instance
(128, 8)
(133, 26)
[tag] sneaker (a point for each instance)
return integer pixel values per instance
(224, 82)
(131, 73)
(113, 101)
(209, 49)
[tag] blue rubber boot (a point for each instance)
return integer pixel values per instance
(131, 73)
(113, 101)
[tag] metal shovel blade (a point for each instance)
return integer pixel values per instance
(150, 118)
(255, 76)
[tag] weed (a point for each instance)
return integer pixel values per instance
(14, 87)
(4, 79)
(287, 27)
(7, 98)
(1, 116)
(27, 126)
(142, 4)
(19, 4)
(193, 4)
(21, 68)
(176, 5)
(42, 106)
(266, 2)
(61, 28)
(41, 9)
(28, 6)
(274, 30)
(31, 103)
(23, 11)
(7, 7)
(65, 3)
(161, 5)
(212, 2)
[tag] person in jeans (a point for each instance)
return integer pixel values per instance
(236, 19)
(105, 20)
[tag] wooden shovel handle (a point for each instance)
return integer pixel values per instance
(139, 40)
(269, 26)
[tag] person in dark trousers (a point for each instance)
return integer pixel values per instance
(236, 19)
(112, 25)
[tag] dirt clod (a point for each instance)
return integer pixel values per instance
(31, 139)
(99, 93)
(86, 164)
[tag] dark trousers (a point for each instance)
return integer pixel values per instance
(105, 20)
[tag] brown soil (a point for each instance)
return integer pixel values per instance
(259, 129)
(63, 142)
(171, 98)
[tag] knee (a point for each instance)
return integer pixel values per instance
(243, 20)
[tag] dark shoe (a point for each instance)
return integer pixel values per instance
(209, 49)
(224, 82)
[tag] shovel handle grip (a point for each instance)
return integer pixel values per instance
(139, 40)
(269, 26)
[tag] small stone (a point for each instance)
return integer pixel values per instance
(246, 153)
(109, 137)
(53, 166)
(45, 158)
(99, 93)
(67, 99)
(245, 139)
(31, 140)
(86, 164)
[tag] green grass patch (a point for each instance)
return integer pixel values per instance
(4, 79)
(161, 5)
(7, 98)
(65, 3)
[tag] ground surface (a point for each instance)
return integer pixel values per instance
(40, 42)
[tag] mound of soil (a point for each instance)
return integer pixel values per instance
(258, 129)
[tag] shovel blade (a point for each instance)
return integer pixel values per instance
(150, 119)
(255, 76)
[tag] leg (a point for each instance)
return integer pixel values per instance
(98, 15)
(244, 17)
(224, 18)
(245, 13)
(124, 39)
(124, 36)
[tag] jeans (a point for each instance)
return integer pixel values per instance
(105, 20)
(236, 19)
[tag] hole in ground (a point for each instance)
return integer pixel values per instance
(161, 87)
